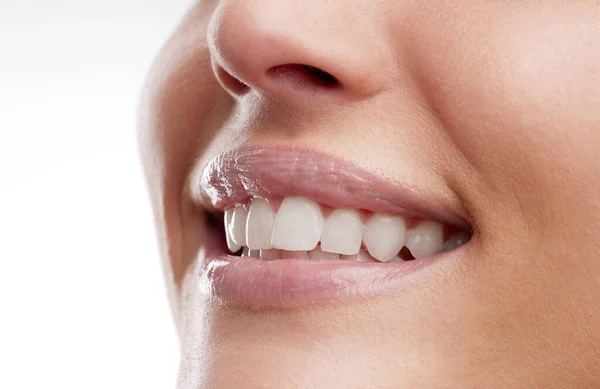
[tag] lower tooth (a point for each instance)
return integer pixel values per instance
(317, 253)
(350, 257)
(270, 254)
(362, 256)
(294, 254)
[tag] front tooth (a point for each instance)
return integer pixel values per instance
(298, 225)
(425, 240)
(259, 226)
(342, 232)
(238, 225)
(317, 253)
(384, 236)
(231, 245)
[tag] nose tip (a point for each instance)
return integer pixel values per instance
(276, 49)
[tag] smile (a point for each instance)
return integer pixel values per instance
(301, 227)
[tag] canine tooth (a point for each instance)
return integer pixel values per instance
(270, 254)
(342, 232)
(318, 253)
(425, 239)
(298, 224)
(238, 225)
(294, 254)
(259, 226)
(384, 236)
(231, 245)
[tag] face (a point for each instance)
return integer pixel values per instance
(384, 194)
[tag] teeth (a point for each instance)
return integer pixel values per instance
(425, 240)
(362, 256)
(456, 241)
(294, 232)
(298, 224)
(294, 254)
(342, 232)
(231, 245)
(354, 258)
(238, 225)
(384, 236)
(250, 253)
(259, 226)
(317, 253)
(270, 254)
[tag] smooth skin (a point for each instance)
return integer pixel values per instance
(492, 104)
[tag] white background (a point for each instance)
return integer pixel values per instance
(82, 303)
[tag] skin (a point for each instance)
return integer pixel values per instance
(493, 105)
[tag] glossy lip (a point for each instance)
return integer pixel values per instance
(253, 282)
(276, 172)
(235, 176)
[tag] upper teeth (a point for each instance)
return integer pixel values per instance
(384, 236)
(259, 226)
(298, 226)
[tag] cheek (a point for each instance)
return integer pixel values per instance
(519, 95)
(181, 109)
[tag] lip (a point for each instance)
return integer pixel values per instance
(253, 282)
(236, 176)
(276, 172)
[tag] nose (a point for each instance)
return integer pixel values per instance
(295, 50)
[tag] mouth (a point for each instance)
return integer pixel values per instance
(292, 226)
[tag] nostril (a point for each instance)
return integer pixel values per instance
(321, 76)
(295, 75)
(236, 86)
(305, 75)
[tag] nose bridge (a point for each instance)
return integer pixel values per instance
(277, 46)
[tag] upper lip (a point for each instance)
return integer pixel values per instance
(276, 172)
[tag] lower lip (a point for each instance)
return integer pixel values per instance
(290, 282)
